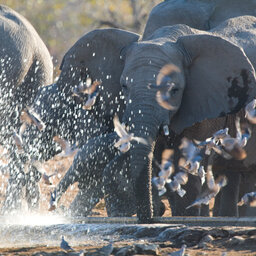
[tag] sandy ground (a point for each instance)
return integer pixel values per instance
(99, 211)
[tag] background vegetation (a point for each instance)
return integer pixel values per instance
(61, 22)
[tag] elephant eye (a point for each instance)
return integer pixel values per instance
(124, 87)
(174, 91)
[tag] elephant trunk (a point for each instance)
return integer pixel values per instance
(145, 124)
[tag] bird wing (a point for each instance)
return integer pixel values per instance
(210, 178)
(94, 86)
(39, 166)
(119, 128)
(22, 128)
(25, 117)
(162, 100)
(140, 140)
(63, 143)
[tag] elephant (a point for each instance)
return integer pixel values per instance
(202, 15)
(230, 75)
(25, 66)
(61, 109)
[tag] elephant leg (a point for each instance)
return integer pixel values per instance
(229, 195)
(32, 193)
(13, 196)
(87, 169)
(85, 200)
(216, 207)
(248, 181)
(119, 195)
(193, 189)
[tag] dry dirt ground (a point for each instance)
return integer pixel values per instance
(219, 246)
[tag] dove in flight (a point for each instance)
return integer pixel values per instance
(123, 144)
(45, 177)
(164, 86)
(166, 170)
(181, 178)
(213, 188)
(30, 117)
(53, 201)
(67, 149)
(250, 111)
(89, 88)
(248, 199)
(18, 137)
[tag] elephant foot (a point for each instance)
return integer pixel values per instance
(85, 201)
(121, 206)
(32, 196)
(13, 201)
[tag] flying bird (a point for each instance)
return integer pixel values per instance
(213, 188)
(166, 170)
(67, 149)
(192, 154)
(18, 137)
(234, 146)
(30, 117)
(89, 88)
(250, 111)
(64, 245)
(123, 144)
(53, 201)
(90, 101)
(181, 178)
(248, 199)
(164, 86)
(45, 177)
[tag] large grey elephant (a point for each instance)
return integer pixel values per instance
(216, 63)
(61, 110)
(205, 15)
(25, 66)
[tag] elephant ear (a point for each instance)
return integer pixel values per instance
(97, 55)
(220, 79)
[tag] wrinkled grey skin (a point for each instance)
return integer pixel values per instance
(229, 72)
(25, 66)
(203, 15)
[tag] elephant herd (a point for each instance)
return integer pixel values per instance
(210, 45)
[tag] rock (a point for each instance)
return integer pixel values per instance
(152, 249)
(125, 251)
(149, 231)
(236, 240)
(170, 233)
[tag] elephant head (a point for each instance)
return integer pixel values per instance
(213, 77)
(90, 58)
